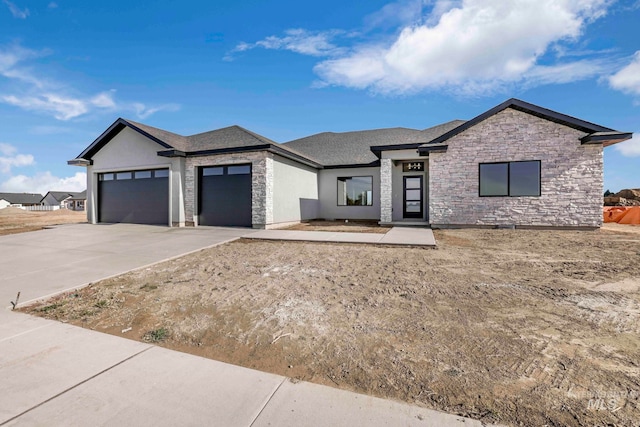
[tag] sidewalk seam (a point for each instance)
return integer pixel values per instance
(74, 386)
(267, 402)
(26, 332)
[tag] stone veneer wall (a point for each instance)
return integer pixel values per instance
(571, 175)
(386, 201)
(261, 183)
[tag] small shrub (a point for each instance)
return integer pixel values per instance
(157, 335)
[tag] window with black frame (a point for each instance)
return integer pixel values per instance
(510, 179)
(355, 191)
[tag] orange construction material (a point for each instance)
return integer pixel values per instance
(632, 216)
(614, 213)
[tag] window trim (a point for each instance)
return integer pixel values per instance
(509, 178)
(338, 178)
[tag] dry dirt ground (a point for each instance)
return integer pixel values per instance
(518, 327)
(340, 226)
(15, 220)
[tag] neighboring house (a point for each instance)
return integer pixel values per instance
(65, 200)
(515, 165)
(19, 199)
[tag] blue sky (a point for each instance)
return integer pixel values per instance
(287, 69)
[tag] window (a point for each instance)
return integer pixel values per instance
(239, 170)
(161, 173)
(510, 179)
(355, 191)
(219, 170)
(123, 175)
(142, 174)
(106, 177)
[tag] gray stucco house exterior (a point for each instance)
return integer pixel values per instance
(517, 164)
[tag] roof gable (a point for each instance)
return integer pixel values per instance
(544, 113)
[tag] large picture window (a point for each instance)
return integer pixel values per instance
(355, 191)
(510, 179)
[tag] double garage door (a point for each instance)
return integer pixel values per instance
(142, 197)
(138, 197)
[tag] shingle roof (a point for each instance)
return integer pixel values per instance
(63, 195)
(354, 148)
(21, 198)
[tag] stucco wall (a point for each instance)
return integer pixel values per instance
(571, 175)
(261, 183)
(4, 204)
(131, 151)
(295, 191)
(328, 188)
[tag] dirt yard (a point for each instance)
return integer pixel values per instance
(340, 226)
(517, 327)
(15, 220)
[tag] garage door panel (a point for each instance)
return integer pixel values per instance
(137, 201)
(225, 200)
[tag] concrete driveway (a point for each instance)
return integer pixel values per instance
(45, 262)
(57, 374)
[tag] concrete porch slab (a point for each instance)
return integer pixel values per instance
(395, 236)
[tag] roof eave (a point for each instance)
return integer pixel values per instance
(606, 139)
(424, 150)
(80, 162)
(172, 153)
(378, 149)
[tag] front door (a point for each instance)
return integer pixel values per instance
(413, 193)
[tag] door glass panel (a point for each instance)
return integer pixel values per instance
(413, 194)
(161, 173)
(239, 170)
(123, 175)
(412, 182)
(213, 171)
(413, 207)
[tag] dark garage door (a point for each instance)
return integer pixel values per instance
(140, 197)
(225, 196)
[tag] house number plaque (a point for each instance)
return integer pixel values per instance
(413, 167)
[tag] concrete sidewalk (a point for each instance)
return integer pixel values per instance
(404, 236)
(57, 374)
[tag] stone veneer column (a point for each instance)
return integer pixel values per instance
(262, 189)
(386, 204)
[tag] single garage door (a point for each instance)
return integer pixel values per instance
(138, 197)
(225, 196)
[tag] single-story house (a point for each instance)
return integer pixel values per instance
(19, 199)
(66, 200)
(517, 164)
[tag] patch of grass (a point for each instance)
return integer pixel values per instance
(157, 335)
(101, 304)
(50, 307)
(149, 287)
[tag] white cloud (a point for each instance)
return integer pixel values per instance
(60, 107)
(630, 148)
(61, 101)
(628, 78)
(313, 43)
(463, 46)
(9, 158)
(142, 111)
(43, 182)
(104, 100)
(15, 10)
(474, 45)
(52, 5)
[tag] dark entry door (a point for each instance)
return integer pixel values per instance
(138, 197)
(225, 196)
(413, 197)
